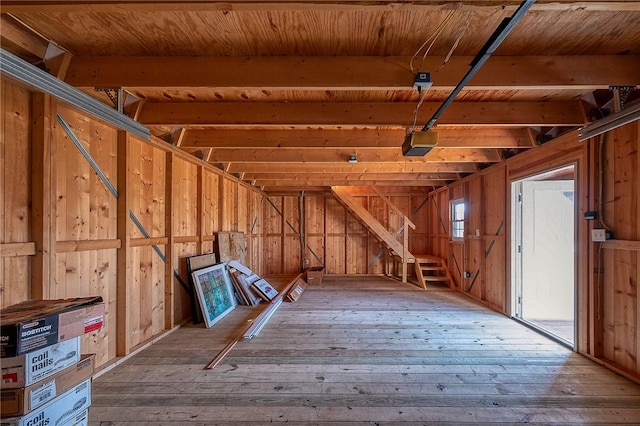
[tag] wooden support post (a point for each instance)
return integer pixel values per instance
(170, 265)
(200, 209)
(43, 190)
(405, 247)
(124, 276)
(221, 206)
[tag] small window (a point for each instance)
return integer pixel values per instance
(457, 219)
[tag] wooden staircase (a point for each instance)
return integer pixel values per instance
(432, 269)
(367, 219)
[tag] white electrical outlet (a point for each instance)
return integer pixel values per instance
(598, 235)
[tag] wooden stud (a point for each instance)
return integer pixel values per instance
(43, 190)
(200, 214)
(125, 259)
(170, 264)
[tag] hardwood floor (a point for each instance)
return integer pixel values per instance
(364, 351)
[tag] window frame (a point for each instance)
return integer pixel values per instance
(453, 220)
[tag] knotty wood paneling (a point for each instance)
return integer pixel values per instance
(229, 218)
(620, 267)
(210, 205)
(314, 230)
(15, 165)
(91, 273)
(254, 238)
(376, 262)
(474, 245)
(336, 222)
(274, 229)
(419, 242)
(147, 181)
(244, 204)
(494, 237)
(292, 260)
(86, 211)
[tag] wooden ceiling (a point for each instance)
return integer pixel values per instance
(282, 93)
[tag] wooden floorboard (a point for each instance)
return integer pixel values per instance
(364, 351)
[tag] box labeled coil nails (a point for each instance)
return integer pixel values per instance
(63, 410)
(27, 369)
(17, 402)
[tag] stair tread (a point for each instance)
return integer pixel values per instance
(435, 278)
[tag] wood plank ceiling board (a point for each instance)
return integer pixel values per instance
(297, 87)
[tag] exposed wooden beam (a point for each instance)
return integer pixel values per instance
(344, 167)
(489, 137)
(352, 73)
(18, 39)
(336, 182)
(240, 5)
(265, 178)
(337, 155)
(518, 114)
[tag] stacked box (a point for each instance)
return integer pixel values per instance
(44, 381)
(25, 370)
(19, 401)
(36, 324)
(61, 411)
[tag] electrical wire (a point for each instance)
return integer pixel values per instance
(432, 38)
(455, 44)
(601, 140)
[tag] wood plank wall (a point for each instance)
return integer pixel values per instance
(333, 237)
(15, 163)
(64, 234)
(607, 275)
(619, 260)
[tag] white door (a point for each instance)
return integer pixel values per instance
(544, 254)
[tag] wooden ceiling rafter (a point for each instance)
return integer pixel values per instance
(361, 167)
(56, 6)
(262, 177)
(488, 137)
(585, 72)
(337, 155)
(516, 114)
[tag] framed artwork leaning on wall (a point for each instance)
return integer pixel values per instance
(215, 292)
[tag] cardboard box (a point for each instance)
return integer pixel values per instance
(63, 410)
(17, 402)
(25, 370)
(315, 275)
(36, 324)
(80, 419)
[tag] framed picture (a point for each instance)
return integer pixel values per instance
(193, 264)
(215, 292)
(264, 289)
